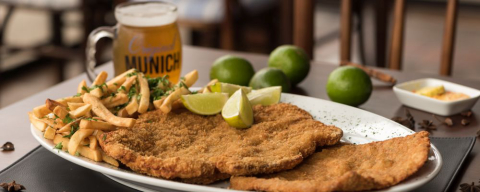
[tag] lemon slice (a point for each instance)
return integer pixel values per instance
(238, 111)
(205, 104)
(265, 96)
(228, 88)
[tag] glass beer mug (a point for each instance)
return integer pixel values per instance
(146, 37)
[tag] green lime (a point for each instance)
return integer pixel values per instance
(269, 77)
(292, 60)
(205, 104)
(238, 111)
(265, 96)
(349, 85)
(232, 69)
(228, 88)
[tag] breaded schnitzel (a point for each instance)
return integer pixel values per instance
(192, 148)
(369, 166)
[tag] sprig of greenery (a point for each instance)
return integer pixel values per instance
(132, 92)
(122, 88)
(131, 74)
(67, 119)
(59, 146)
(73, 128)
(86, 89)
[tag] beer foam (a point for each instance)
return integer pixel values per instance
(146, 14)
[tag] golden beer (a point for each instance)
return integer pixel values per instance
(146, 37)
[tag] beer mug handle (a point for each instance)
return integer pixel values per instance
(91, 49)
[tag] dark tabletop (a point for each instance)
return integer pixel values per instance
(15, 127)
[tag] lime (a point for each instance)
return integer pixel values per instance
(292, 60)
(205, 104)
(228, 88)
(238, 111)
(232, 69)
(265, 96)
(269, 77)
(349, 85)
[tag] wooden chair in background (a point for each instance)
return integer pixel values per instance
(397, 35)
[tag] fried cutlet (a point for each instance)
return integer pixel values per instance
(192, 148)
(369, 166)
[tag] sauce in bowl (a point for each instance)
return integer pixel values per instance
(438, 92)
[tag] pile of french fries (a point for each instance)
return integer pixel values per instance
(73, 123)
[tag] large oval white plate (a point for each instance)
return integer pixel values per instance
(359, 127)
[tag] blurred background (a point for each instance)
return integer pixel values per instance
(42, 41)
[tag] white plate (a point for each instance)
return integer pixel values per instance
(359, 126)
(405, 94)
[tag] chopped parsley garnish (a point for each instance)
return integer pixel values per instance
(182, 84)
(91, 119)
(156, 82)
(131, 74)
(112, 95)
(67, 119)
(78, 94)
(139, 96)
(85, 89)
(116, 84)
(59, 145)
(99, 86)
(104, 137)
(132, 92)
(156, 94)
(117, 108)
(122, 88)
(73, 129)
(77, 153)
(194, 92)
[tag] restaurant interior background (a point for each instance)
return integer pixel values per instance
(41, 41)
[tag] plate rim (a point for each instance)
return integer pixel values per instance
(84, 162)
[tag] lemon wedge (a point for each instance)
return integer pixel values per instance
(228, 88)
(238, 111)
(205, 104)
(265, 96)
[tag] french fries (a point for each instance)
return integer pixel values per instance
(116, 100)
(93, 142)
(113, 84)
(74, 123)
(166, 106)
(132, 107)
(191, 78)
(73, 106)
(77, 138)
(81, 87)
(49, 133)
(144, 94)
(97, 89)
(96, 124)
(125, 87)
(99, 109)
(93, 154)
(52, 104)
(81, 111)
(41, 126)
(109, 160)
(60, 139)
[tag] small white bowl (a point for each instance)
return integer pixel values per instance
(405, 93)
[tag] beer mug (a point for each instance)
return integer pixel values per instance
(146, 37)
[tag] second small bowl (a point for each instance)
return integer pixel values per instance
(405, 93)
